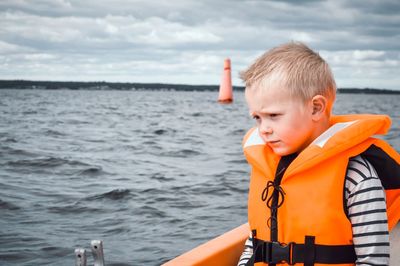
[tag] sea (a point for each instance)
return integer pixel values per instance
(151, 173)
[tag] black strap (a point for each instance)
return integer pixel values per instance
(324, 254)
(308, 253)
(309, 250)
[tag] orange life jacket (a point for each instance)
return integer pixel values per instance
(309, 200)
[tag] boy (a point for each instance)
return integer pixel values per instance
(316, 195)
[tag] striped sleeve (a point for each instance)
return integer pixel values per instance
(247, 252)
(366, 205)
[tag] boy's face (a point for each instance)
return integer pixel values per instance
(284, 123)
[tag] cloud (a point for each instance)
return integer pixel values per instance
(186, 41)
(370, 68)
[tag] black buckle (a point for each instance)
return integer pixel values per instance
(275, 252)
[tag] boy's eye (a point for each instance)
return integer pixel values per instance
(256, 117)
(273, 115)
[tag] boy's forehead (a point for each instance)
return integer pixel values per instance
(266, 99)
(275, 80)
(271, 91)
(269, 99)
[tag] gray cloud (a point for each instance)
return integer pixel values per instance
(186, 41)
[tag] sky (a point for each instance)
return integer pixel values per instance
(186, 41)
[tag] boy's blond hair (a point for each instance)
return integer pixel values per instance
(294, 67)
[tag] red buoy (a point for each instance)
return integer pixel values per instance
(225, 88)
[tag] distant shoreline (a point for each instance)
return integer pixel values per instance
(102, 85)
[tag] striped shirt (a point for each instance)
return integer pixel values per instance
(366, 205)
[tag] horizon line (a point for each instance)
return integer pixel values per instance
(169, 84)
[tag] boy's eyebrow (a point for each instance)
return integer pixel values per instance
(264, 112)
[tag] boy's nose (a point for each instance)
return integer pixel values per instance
(265, 129)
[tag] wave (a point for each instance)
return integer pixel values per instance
(75, 208)
(187, 205)
(184, 153)
(150, 142)
(115, 194)
(151, 212)
(117, 230)
(238, 161)
(56, 251)
(30, 112)
(46, 162)
(160, 131)
(54, 133)
(92, 171)
(164, 131)
(154, 191)
(197, 114)
(4, 205)
(8, 140)
(239, 132)
(161, 177)
(7, 150)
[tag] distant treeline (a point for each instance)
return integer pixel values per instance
(102, 85)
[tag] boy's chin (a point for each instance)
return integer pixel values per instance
(282, 151)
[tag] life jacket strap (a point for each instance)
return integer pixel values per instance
(308, 253)
(309, 250)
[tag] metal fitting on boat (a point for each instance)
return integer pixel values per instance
(80, 257)
(97, 252)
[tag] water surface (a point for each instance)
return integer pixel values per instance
(151, 173)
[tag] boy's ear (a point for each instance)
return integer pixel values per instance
(319, 106)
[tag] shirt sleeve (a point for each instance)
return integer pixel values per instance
(247, 252)
(366, 205)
